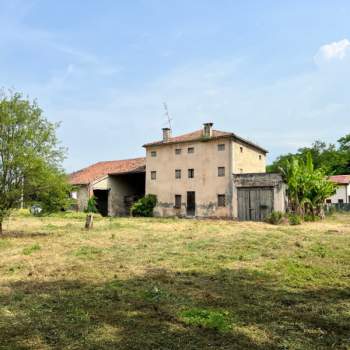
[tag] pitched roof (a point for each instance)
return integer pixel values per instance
(340, 179)
(198, 136)
(100, 169)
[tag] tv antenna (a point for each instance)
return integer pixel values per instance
(167, 114)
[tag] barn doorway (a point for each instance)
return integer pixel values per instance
(191, 203)
(254, 203)
(102, 201)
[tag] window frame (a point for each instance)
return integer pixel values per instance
(190, 173)
(178, 151)
(153, 153)
(177, 173)
(190, 150)
(153, 175)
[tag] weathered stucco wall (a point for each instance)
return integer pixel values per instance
(342, 192)
(82, 197)
(261, 180)
(206, 183)
(247, 159)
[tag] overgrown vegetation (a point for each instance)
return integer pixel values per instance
(308, 187)
(174, 284)
(30, 158)
(144, 206)
(91, 205)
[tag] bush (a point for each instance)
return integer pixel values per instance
(144, 206)
(294, 219)
(311, 218)
(275, 218)
(91, 205)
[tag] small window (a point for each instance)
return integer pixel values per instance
(190, 150)
(241, 149)
(153, 175)
(178, 151)
(154, 154)
(340, 201)
(190, 173)
(260, 157)
(221, 171)
(329, 201)
(221, 147)
(178, 201)
(74, 195)
(241, 170)
(221, 200)
(177, 173)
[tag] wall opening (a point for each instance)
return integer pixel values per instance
(102, 201)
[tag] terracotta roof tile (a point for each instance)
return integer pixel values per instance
(340, 179)
(198, 135)
(98, 170)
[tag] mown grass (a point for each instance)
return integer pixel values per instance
(174, 284)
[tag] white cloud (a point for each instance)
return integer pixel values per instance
(336, 50)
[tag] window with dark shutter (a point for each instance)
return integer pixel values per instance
(221, 171)
(221, 200)
(178, 201)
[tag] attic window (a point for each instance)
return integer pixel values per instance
(178, 151)
(221, 147)
(241, 149)
(154, 154)
(260, 156)
(190, 150)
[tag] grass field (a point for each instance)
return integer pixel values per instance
(174, 284)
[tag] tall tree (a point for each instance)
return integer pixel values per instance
(30, 157)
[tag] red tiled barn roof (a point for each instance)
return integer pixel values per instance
(340, 179)
(198, 136)
(100, 169)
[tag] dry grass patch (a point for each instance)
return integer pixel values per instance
(174, 284)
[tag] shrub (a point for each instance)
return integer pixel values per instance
(144, 206)
(294, 219)
(211, 319)
(91, 205)
(275, 218)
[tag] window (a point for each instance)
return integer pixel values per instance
(221, 171)
(340, 201)
(329, 201)
(177, 173)
(221, 200)
(241, 170)
(153, 175)
(241, 149)
(260, 156)
(221, 147)
(178, 151)
(190, 150)
(178, 201)
(74, 194)
(190, 173)
(154, 154)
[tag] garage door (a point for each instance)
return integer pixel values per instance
(254, 203)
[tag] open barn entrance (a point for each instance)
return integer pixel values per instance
(126, 189)
(102, 201)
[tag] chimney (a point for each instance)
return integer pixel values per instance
(166, 134)
(208, 129)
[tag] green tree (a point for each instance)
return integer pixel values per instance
(30, 157)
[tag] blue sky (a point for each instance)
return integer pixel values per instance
(275, 72)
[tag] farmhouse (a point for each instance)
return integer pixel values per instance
(342, 194)
(205, 173)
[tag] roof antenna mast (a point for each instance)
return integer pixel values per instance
(167, 114)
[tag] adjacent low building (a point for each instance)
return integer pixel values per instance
(342, 195)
